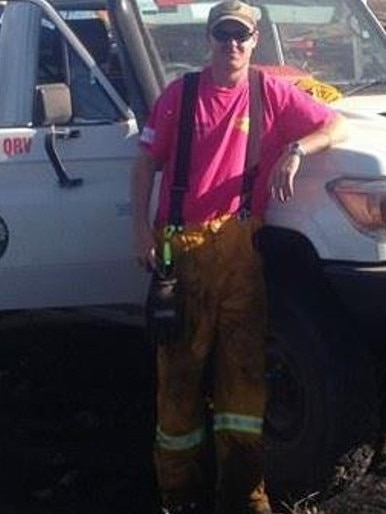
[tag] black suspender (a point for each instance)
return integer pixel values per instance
(186, 125)
(185, 133)
(252, 156)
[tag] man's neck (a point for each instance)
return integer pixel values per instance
(226, 78)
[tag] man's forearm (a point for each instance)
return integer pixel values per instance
(142, 187)
(333, 133)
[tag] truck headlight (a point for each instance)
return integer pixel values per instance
(364, 203)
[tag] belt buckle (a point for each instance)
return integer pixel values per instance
(215, 225)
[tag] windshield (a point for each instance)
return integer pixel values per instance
(335, 41)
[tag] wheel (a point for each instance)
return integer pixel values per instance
(322, 396)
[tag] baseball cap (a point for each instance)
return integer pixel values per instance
(235, 10)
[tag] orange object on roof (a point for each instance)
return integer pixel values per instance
(304, 81)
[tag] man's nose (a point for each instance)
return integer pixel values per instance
(232, 41)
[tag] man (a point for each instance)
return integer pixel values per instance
(220, 273)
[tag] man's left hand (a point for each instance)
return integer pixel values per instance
(281, 185)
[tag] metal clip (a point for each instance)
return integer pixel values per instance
(169, 230)
(244, 214)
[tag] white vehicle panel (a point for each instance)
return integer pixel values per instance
(72, 244)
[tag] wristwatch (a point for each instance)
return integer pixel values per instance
(296, 149)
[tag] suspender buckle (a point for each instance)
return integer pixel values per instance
(244, 214)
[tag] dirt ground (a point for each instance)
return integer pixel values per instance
(358, 486)
(77, 421)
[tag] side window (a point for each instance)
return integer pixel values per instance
(50, 62)
(58, 62)
(89, 99)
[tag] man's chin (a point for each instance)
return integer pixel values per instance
(234, 66)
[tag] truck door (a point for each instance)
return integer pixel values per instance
(65, 245)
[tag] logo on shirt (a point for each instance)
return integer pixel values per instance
(242, 123)
(147, 135)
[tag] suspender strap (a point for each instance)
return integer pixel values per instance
(186, 125)
(252, 156)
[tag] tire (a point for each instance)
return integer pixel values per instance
(321, 394)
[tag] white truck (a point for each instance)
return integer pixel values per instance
(77, 80)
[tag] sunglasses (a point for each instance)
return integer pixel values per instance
(225, 36)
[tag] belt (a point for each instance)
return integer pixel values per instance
(208, 226)
(192, 235)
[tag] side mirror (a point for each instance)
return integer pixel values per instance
(53, 104)
(53, 108)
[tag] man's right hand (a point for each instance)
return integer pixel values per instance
(142, 186)
(144, 248)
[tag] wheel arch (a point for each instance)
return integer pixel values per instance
(291, 261)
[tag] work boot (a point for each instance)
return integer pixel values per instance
(259, 502)
(240, 484)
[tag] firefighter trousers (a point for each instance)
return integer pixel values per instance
(211, 387)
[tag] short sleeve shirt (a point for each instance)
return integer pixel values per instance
(219, 141)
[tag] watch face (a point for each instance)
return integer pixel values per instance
(296, 149)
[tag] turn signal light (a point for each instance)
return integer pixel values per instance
(364, 203)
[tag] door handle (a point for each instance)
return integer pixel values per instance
(66, 133)
(50, 147)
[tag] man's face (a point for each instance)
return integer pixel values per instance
(232, 44)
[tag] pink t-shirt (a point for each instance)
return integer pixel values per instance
(219, 141)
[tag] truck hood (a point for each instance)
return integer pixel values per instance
(363, 104)
(366, 133)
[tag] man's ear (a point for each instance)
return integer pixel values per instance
(256, 38)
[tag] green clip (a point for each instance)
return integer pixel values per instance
(167, 253)
(167, 248)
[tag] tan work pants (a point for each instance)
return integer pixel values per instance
(222, 350)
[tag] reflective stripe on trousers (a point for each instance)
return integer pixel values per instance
(221, 352)
(237, 423)
(221, 421)
(180, 442)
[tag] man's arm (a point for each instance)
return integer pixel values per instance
(282, 178)
(335, 132)
(142, 187)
